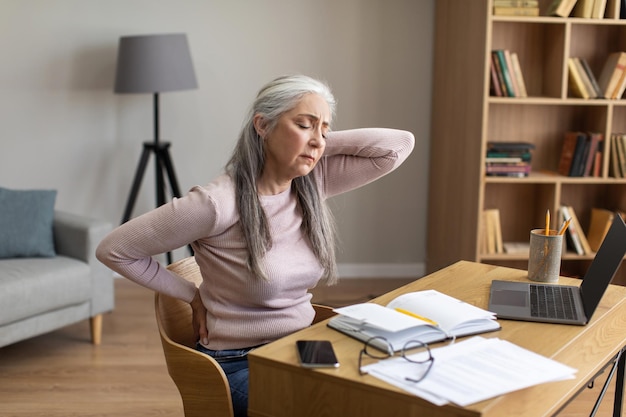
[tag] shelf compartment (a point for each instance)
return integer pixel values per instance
(607, 38)
(539, 46)
(544, 126)
(517, 223)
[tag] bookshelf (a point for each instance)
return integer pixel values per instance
(466, 117)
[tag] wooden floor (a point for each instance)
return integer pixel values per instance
(62, 375)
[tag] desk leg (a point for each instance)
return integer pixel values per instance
(618, 366)
(619, 385)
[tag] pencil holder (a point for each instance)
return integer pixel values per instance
(544, 260)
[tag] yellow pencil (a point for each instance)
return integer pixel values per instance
(565, 226)
(548, 222)
(417, 316)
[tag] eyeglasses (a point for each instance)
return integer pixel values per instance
(379, 348)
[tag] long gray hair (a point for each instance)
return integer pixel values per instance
(246, 164)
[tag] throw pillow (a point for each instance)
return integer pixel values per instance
(26, 218)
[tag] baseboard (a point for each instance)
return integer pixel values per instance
(362, 270)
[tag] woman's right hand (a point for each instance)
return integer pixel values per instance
(198, 320)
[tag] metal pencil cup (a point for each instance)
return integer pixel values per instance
(544, 260)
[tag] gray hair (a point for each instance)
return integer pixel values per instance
(246, 164)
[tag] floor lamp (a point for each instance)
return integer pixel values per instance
(154, 64)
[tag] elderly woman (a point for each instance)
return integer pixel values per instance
(262, 233)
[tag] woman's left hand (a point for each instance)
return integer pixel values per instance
(198, 320)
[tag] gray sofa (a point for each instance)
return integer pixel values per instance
(41, 294)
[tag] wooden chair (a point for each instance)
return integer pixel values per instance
(199, 378)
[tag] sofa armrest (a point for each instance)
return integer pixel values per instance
(77, 236)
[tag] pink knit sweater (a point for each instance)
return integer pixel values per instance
(242, 310)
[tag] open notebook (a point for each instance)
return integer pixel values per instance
(428, 316)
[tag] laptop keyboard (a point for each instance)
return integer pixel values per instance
(554, 302)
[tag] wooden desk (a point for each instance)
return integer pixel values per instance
(279, 387)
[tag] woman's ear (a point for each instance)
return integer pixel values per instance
(260, 125)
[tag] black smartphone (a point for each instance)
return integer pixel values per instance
(317, 354)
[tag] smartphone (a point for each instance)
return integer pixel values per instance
(317, 354)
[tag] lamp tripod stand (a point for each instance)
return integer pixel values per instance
(153, 64)
(163, 163)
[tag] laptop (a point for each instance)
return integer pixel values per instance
(553, 303)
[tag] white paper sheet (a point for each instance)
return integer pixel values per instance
(473, 370)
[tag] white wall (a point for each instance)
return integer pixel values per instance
(62, 127)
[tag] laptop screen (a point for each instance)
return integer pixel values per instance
(604, 265)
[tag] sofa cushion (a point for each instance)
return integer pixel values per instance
(36, 285)
(26, 223)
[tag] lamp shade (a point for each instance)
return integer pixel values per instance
(154, 64)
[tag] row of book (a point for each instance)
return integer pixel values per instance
(491, 233)
(577, 240)
(581, 154)
(587, 9)
(507, 79)
(588, 243)
(516, 7)
(609, 85)
(508, 159)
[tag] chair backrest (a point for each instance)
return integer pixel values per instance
(199, 378)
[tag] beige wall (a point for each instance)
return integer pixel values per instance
(62, 127)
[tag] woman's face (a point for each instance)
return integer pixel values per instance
(295, 145)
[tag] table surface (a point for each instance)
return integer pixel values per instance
(280, 387)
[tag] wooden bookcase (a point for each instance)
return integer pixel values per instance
(466, 117)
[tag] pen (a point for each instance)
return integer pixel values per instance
(565, 226)
(548, 222)
(417, 316)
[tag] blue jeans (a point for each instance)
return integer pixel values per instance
(234, 362)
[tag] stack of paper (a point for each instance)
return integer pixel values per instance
(471, 371)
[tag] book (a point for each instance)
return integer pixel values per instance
(583, 8)
(599, 225)
(615, 166)
(611, 73)
(495, 89)
(621, 153)
(598, 9)
(496, 63)
(428, 316)
(585, 77)
(594, 139)
(562, 8)
(619, 87)
(519, 76)
(597, 163)
(573, 241)
(516, 3)
(567, 153)
(495, 227)
(575, 81)
(579, 230)
(509, 66)
(497, 146)
(520, 169)
(492, 232)
(613, 9)
(595, 87)
(580, 155)
(574, 233)
(618, 155)
(515, 11)
(506, 74)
